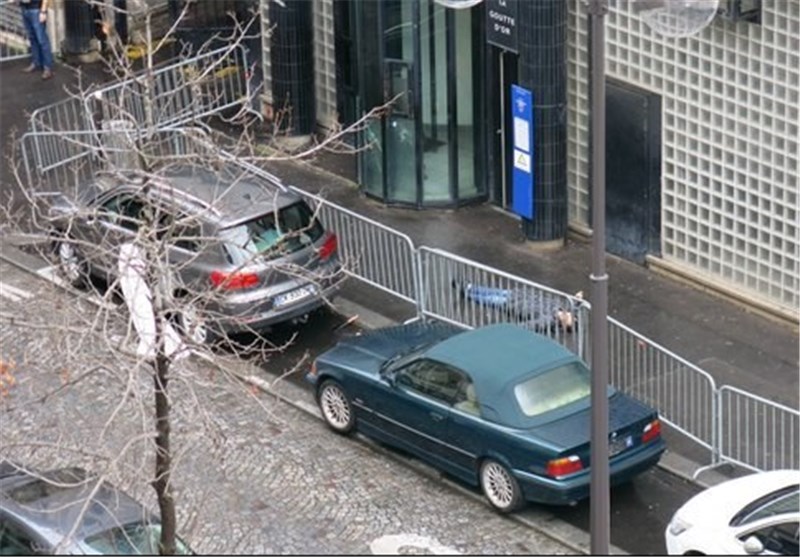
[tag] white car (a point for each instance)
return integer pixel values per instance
(757, 514)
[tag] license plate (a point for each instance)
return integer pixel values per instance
(619, 444)
(294, 295)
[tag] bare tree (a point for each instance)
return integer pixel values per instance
(197, 246)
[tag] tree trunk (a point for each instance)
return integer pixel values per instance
(162, 483)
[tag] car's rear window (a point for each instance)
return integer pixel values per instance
(553, 389)
(273, 234)
(49, 484)
(139, 538)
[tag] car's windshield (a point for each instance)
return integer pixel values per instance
(273, 234)
(781, 501)
(398, 360)
(553, 389)
(139, 538)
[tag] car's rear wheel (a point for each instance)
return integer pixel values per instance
(191, 323)
(500, 487)
(336, 408)
(71, 263)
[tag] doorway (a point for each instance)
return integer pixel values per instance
(633, 172)
(425, 152)
(502, 75)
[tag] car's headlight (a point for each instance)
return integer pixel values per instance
(678, 526)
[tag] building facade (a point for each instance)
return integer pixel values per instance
(702, 142)
(703, 150)
(715, 119)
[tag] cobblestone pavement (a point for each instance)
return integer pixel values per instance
(253, 474)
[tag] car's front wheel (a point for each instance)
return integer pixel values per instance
(71, 264)
(500, 487)
(336, 408)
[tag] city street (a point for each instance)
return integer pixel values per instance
(272, 479)
(620, 176)
(263, 476)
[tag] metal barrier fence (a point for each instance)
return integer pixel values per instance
(684, 394)
(191, 89)
(68, 115)
(463, 292)
(757, 433)
(188, 90)
(13, 37)
(59, 160)
(372, 252)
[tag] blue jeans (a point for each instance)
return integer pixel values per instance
(41, 54)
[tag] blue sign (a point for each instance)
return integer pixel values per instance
(522, 141)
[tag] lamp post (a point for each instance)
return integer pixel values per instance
(600, 508)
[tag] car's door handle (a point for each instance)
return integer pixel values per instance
(436, 417)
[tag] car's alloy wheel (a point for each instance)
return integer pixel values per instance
(70, 262)
(500, 487)
(336, 408)
(191, 323)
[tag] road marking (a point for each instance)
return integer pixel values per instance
(392, 544)
(50, 273)
(13, 293)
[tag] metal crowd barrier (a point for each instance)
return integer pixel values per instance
(373, 253)
(757, 433)
(59, 159)
(13, 37)
(683, 393)
(463, 292)
(185, 91)
(188, 90)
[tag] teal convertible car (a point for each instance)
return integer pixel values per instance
(499, 406)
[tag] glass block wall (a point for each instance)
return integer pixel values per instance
(731, 142)
(324, 59)
(325, 63)
(266, 56)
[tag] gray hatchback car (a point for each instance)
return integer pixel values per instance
(242, 254)
(64, 511)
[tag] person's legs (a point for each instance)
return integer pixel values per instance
(31, 19)
(45, 53)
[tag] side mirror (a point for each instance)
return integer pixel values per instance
(389, 376)
(753, 546)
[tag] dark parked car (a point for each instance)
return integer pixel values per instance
(499, 406)
(251, 253)
(39, 513)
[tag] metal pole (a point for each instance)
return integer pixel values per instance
(599, 504)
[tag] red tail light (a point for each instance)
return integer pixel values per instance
(651, 431)
(329, 247)
(233, 281)
(564, 466)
